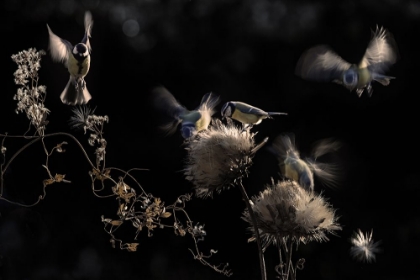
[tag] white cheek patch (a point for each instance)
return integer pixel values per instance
(228, 111)
(74, 50)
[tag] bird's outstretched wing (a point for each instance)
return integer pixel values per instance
(381, 52)
(327, 173)
(59, 48)
(166, 103)
(283, 145)
(324, 146)
(246, 108)
(88, 30)
(208, 102)
(322, 64)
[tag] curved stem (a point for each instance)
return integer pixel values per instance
(37, 138)
(128, 174)
(257, 233)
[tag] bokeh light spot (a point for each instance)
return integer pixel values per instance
(131, 28)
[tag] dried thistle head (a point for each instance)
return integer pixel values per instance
(364, 248)
(285, 210)
(218, 157)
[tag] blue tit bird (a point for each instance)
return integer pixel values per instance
(300, 170)
(322, 64)
(246, 114)
(192, 121)
(77, 61)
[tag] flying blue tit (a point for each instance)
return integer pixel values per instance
(301, 170)
(192, 121)
(77, 61)
(246, 114)
(322, 64)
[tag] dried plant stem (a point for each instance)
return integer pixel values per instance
(280, 267)
(37, 138)
(286, 270)
(257, 233)
(290, 270)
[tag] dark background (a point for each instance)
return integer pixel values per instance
(240, 50)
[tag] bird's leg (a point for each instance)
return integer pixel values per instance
(81, 83)
(245, 127)
(369, 89)
(77, 85)
(359, 91)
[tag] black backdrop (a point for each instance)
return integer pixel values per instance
(240, 50)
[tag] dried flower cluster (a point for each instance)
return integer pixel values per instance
(286, 211)
(218, 157)
(135, 207)
(364, 249)
(83, 117)
(141, 210)
(30, 95)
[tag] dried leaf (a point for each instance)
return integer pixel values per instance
(166, 215)
(122, 210)
(59, 177)
(132, 247)
(124, 191)
(101, 176)
(157, 201)
(48, 182)
(116, 222)
(182, 232)
(59, 147)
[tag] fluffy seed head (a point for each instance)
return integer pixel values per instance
(218, 157)
(364, 249)
(286, 210)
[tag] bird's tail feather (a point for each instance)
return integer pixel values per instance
(384, 80)
(276, 113)
(75, 92)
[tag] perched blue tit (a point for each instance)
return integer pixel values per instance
(322, 64)
(77, 61)
(246, 114)
(192, 121)
(301, 170)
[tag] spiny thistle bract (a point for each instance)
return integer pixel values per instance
(285, 210)
(364, 249)
(219, 157)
